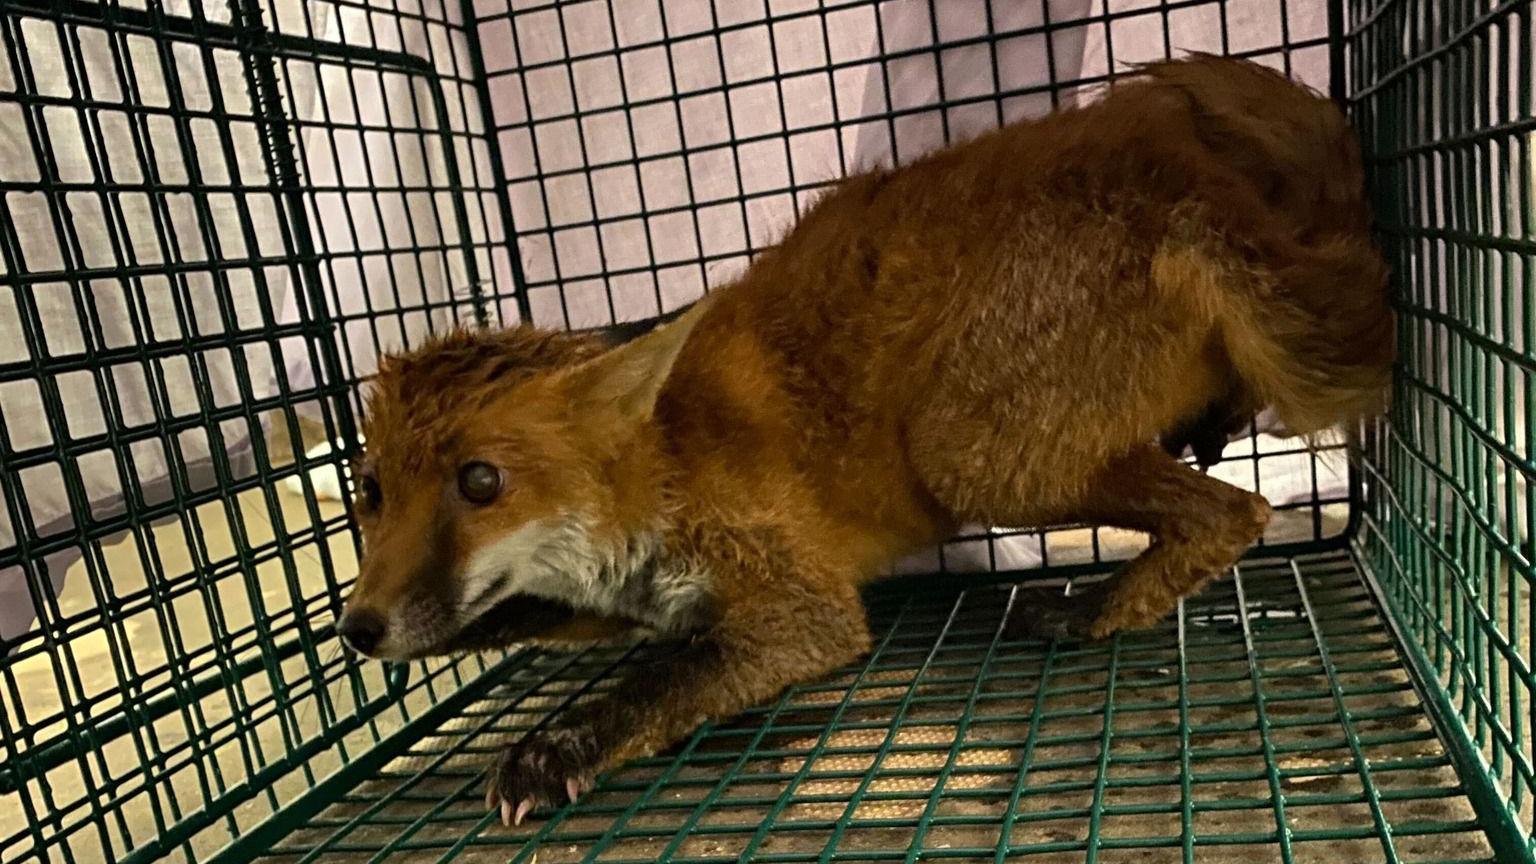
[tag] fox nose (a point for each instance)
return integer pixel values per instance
(360, 630)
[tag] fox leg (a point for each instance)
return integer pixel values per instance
(746, 658)
(1200, 526)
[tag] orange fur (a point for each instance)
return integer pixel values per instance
(991, 334)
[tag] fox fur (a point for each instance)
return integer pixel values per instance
(996, 334)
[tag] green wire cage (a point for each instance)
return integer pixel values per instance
(213, 215)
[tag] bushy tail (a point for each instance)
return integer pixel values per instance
(1302, 302)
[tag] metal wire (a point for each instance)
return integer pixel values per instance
(226, 210)
(953, 743)
(1445, 90)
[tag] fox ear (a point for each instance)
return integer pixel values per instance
(627, 379)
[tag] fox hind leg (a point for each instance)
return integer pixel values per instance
(1200, 526)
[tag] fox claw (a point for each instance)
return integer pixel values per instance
(536, 771)
(509, 816)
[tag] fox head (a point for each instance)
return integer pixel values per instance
(500, 498)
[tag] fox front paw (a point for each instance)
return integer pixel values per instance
(545, 769)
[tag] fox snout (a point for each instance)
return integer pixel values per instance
(419, 628)
(361, 630)
(393, 624)
(404, 599)
(405, 606)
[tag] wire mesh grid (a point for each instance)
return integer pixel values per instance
(190, 197)
(218, 213)
(1446, 90)
(1272, 720)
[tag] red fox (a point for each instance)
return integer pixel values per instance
(998, 333)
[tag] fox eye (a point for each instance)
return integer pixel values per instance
(479, 482)
(369, 494)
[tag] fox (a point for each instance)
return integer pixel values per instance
(1021, 329)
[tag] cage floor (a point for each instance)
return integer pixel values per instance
(1272, 721)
